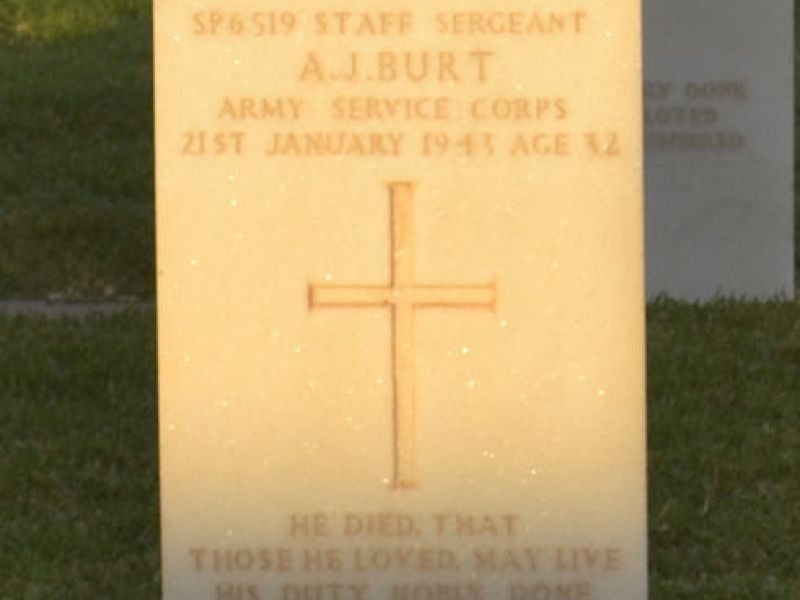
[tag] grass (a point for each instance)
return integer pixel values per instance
(78, 504)
(724, 448)
(76, 174)
(79, 496)
(25, 20)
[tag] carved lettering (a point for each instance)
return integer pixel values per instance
(242, 560)
(437, 591)
(397, 66)
(518, 109)
(364, 23)
(324, 591)
(587, 559)
(335, 143)
(550, 591)
(260, 109)
(381, 525)
(309, 525)
(465, 525)
(511, 23)
(236, 591)
(377, 108)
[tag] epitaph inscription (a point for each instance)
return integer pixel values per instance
(400, 300)
(694, 116)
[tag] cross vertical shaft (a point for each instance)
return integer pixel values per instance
(405, 454)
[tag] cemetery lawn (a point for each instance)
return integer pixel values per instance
(78, 466)
(79, 499)
(76, 174)
(724, 450)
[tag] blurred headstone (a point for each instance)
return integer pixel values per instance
(719, 142)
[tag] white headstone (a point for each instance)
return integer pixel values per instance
(719, 148)
(400, 300)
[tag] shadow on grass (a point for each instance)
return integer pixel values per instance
(78, 459)
(76, 167)
(724, 450)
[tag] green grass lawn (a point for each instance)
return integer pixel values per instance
(78, 466)
(724, 450)
(79, 499)
(76, 173)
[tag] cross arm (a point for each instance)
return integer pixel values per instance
(455, 296)
(322, 295)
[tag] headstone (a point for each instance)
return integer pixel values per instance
(719, 114)
(400, 300)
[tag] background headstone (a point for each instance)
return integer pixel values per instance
(719, 139)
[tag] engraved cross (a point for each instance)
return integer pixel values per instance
(403, 296)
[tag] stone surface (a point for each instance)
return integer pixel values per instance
(400, 300)
(719, 114)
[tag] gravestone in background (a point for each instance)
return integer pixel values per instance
(719, 140)
(400, 300)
